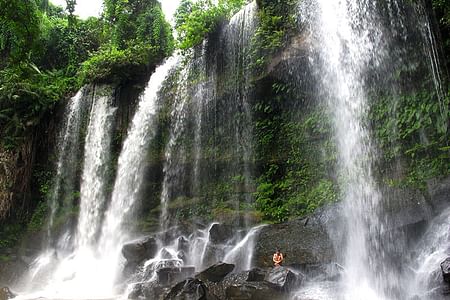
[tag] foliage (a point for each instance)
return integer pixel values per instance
(113, 64)
(138, 22)
(277, 22)
(19, 29)
(195, 19)
(415, 129)
(26, 95)
(294, 180)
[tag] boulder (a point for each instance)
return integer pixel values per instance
(253, 291)
(220, 233)
(284, 279)
(216, 272)
(170, 276)
(140, 250)
(146, 290)
(256, 274)
(192, 289)
(445, 268)
(5, 293)
(302, 241)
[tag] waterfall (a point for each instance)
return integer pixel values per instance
(131, 163)
(431, 250)
(75, 271)
(95, 167)
(349, 40)
(356, 48)
(68, 141)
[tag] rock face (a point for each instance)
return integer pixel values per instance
(170, 276)
(445, 268)
(140, 250)
(216, 272)
(190, 289)
(284, 279)
(220, 233)
(302, 241)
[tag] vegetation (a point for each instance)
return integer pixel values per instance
(195, 19)
(277, 22)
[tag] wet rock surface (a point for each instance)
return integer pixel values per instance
(445, 268)
(220, 233)
(302, 241)
(140, 250)
(284, 279)
(190, 289)
(169, 276)
(216, 272)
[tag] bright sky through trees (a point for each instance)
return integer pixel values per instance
(87, 8)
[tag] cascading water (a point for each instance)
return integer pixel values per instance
(95, 168)
(67, 155)
(349, 40)
(74, 274)
(356, 48)
(131, 167)
(429, 253)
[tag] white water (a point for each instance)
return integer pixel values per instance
(131, 164)
(430, 252)
(67, 154)
(95, 167)
(348, 40)
(65, 275)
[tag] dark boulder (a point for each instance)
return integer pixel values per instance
(170, 276)
(190, 289)
(445, 268)
(216, 272)
(253, 291)
(140, 250)
(256, 274)
(220, 233)
(284, 279)
(303, 241)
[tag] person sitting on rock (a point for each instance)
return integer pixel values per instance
(277, 258)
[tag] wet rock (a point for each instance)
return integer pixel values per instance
(284, 279)
(302, 241)
(220, 233)
(190, 289)
(253, 291)
(216, 272)
(146, 290)
(445, 268)
(140, 250)
(170, 276)
(256, 274)
(6, 293)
